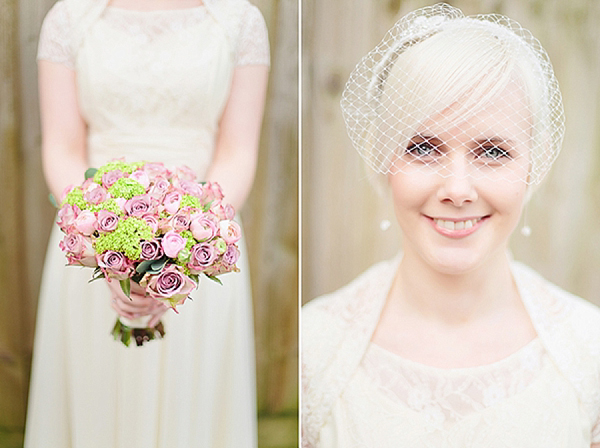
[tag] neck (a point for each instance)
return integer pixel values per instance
(453, 299)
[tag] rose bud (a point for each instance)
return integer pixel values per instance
(110, 177)
(66, 217)
(151, 221)
(155, 170)
(231, 255)
(159, 189)
(184, 172)
(172, 202)
(181, 221)
(203, 228)
(142, 177)
(172, 243)
(86, 222)
(95, 194)
(230, 231)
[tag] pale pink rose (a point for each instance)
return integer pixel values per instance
(107, 221)
(78, 249)
(160, 188)
(155, 170)
(110, 177)
(180, 221)
(171, 285)
(115, 265)
(203, 228)
(219, 210)
(151, 250)
(66, 217)
(86, 222)
(191, 188)
(213, 191)
(95, 194)
(151, 221)
(172, 202)
(142, 177)
(231, 255)
(172, 243)
(229, 212)
(230, 231)
(202, 256)
(139, 205)
(184, 172)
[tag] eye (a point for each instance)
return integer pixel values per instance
(422, 149)
(492, 152)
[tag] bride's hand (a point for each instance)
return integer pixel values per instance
(139, 304)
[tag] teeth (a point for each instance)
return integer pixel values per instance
(458, 225)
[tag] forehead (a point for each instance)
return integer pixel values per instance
(506, 115)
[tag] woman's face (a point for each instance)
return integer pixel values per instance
(462, 186)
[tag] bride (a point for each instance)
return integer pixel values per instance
(453, 344)
(172, 81)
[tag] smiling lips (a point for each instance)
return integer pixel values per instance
(455, 228)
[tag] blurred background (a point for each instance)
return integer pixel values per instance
(341, 213)
(270, 218)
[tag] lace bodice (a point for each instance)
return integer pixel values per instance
(152, 85)
(357, 394)
(394, 402)
(252, 47)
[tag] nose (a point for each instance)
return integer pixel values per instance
(457, 187)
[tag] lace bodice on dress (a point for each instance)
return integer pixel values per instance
(357, 394)
(392, 402)
(152, 85)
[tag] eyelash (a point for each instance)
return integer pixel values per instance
(484, 151)
(413, 149)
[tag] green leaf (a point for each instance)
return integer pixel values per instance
(126, 287)
(97, 274)
(144, 266)
(158, 265)
(52, 200)
(90, 172)
(215, 279)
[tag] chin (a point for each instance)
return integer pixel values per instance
(455, 261)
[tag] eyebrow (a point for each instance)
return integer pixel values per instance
(496, 140)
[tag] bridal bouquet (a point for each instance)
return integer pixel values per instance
(157, 227)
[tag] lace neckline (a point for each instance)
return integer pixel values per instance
(533, 349)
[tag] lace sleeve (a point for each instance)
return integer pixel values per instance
(253, 40)
(54, 43)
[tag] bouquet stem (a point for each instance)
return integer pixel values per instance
(126, 332)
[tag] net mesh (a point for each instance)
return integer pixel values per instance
(455, 95)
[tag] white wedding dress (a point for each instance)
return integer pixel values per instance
(152, 86)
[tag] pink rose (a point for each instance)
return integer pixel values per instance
(110, 177)
(115, 265)
(151, 221)
(171, 284)
(107, 221)
(160, 187)
(66, 217)
(192, 188)
(202, 256)
(86, 222)
(154, 170)
(231, 255)
(138, 205)
(229, 212)
(151, 250)
(230, 231)
(203, 228)
(172, 243)
(95, 194)
(79, 250)
(213, 191)
(218, 209)
(181, 221)
(142, 177)
(172, 202)
(184, 172)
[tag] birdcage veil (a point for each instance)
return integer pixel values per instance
(438, 81)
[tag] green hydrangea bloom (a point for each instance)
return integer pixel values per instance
(110, 205)
(126, 238)
(75, 197)
(191, 201)
(125, 167)
(191, 242)
(126, 188)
